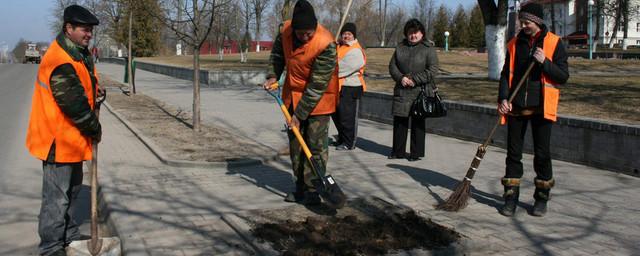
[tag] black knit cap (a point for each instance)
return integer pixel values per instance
(76, 14)
(532, 12)
(349, 26)
(303, 16)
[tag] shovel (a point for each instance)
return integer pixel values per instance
(95, 246)
(325, 185)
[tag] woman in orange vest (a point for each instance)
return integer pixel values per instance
(536, 102)
(351, 61)
(63, 125)
(308, 52)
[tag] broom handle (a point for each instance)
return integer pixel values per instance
(482, 149)
(344, 18)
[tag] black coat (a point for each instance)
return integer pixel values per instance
(530, 94)
(418, 62)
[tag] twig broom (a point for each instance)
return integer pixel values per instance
(460, 197)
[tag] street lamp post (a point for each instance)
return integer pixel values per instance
(446, 41)
(591, 3)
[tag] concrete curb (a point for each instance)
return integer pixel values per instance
(157, 151)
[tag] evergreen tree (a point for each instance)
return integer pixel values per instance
(459, 29)
(476, 28)
(145, 29)
(440, 25)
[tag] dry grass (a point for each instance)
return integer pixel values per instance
(170, 128)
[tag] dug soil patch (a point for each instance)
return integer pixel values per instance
(170, 129)
(367, 226)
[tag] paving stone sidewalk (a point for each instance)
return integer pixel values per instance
(163, 210)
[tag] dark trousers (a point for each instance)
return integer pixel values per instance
(541, 131)
(61, 183)
(346, 116)
(417, 141)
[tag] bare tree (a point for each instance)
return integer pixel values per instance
(258, 9)
(495, 22)
(383, 21)
(245, 41)
(199, 16)
(424, 11)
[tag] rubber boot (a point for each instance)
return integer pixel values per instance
(511, 194)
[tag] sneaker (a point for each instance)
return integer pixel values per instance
(414, 158)
(336, 143)
(343, 147)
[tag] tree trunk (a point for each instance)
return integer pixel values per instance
(495, 39)
(495, 21)
(196, 89)
(616, 26)
(596, 35)
(258, 18)
(132, 87)
(383, 29)
(625, 23)
(553, 18)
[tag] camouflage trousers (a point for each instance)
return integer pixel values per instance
(315, 132)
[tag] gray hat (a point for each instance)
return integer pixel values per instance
(76, 14)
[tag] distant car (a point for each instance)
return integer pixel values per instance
(31, 54)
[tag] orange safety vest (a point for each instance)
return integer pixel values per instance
(342, 51)
(47, 123)
(550, 92)
(299, 63)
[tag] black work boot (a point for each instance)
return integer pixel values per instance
(511, 194)
(311, 198)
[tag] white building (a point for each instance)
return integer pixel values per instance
(571, 20)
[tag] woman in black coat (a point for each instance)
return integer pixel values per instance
(414, 64)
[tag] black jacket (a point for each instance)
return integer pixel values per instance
(531, 91)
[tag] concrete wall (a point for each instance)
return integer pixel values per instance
(208, 78)
(592, 142)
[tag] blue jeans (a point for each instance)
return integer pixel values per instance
(61, 183)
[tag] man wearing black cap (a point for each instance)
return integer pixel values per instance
(308, 52)
(351, 61)
(536, 102)
(63, 125)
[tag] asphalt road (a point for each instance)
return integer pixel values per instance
(20, 173)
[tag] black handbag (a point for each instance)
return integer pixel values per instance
(425, 106)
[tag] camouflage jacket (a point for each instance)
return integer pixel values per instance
(321, 73)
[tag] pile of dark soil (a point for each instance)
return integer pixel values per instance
(350, 235)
